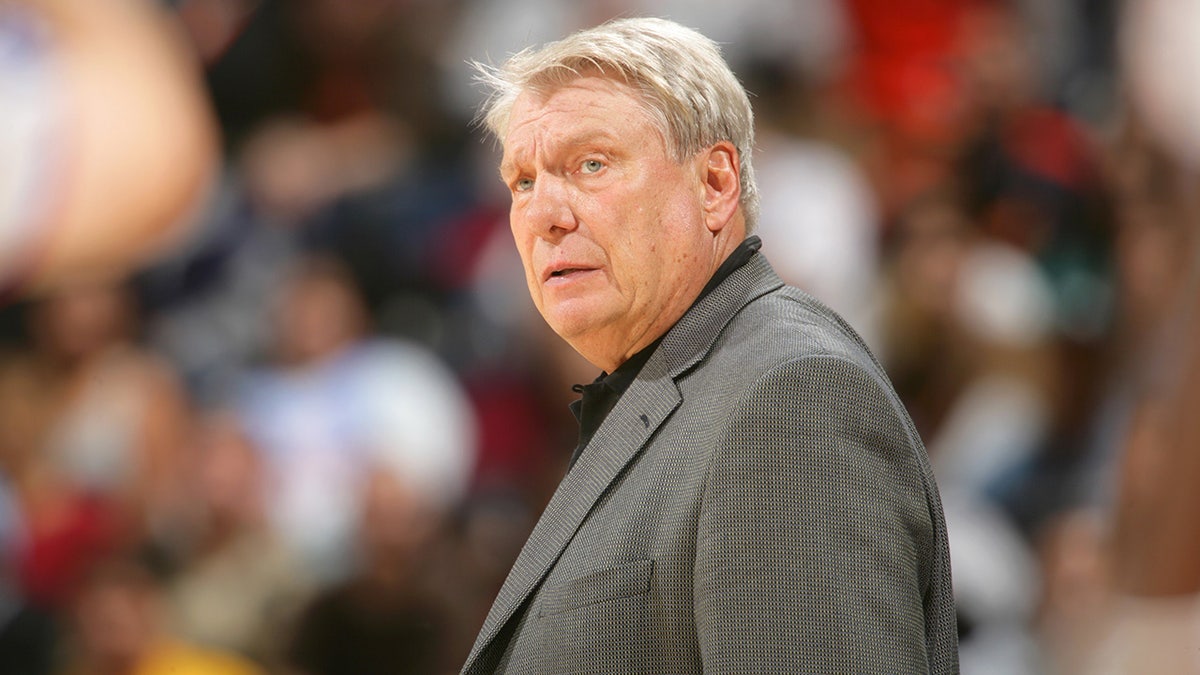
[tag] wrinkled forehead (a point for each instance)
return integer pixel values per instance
(575, 112)
(543, 86)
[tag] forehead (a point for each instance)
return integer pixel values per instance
(585, 107)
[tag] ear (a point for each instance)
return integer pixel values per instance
(722, 184)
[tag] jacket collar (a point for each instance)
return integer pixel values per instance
(639, 413)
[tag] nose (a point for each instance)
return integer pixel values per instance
(549, 211)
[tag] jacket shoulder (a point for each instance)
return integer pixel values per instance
(789, 325)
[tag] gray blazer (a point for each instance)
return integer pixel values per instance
(758, 501)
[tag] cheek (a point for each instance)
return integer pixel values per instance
(520, 235)
(530, 277)
(524, 244)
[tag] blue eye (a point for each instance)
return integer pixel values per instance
(591, 165)
(523, 185)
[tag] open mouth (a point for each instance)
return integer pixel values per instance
(564, 272)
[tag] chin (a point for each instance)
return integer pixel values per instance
(573, 326)
(569, 330)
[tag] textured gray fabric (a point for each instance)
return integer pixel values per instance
(757, 502)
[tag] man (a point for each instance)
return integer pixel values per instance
(748, 494)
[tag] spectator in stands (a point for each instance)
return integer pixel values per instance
(121, 628)
(334, 403)
(237, 587)
(390, 616)
(90, 430)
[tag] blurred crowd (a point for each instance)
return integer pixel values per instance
(311, 436)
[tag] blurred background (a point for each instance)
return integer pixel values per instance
(273, 397)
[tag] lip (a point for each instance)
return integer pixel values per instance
(557, 270)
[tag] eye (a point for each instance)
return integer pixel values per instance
(523, 185)
(591, 165)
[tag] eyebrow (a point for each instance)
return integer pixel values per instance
(580, 138)
(506, 167)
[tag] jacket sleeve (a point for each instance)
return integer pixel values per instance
(817, 536)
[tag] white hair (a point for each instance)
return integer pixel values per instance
(685, 85)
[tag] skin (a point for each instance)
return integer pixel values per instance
(616, 237)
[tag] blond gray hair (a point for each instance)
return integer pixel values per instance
(685, 85)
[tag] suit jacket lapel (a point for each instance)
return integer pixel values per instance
(621, 436)
(639, 413)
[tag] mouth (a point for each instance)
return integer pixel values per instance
(565, 272)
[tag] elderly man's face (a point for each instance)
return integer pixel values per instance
(609, 226)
